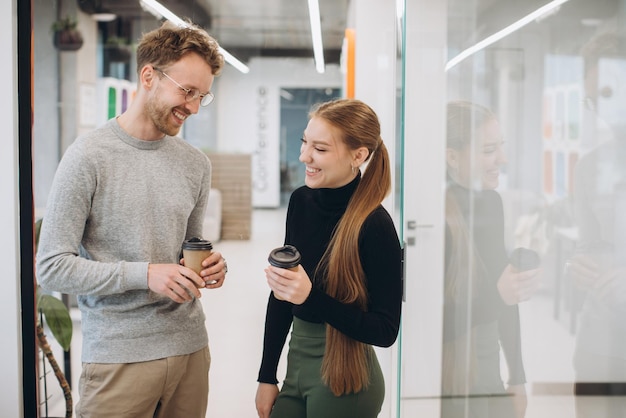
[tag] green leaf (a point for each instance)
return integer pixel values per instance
(57, 318)
(37, 231)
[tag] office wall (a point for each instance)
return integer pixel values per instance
(248, 115)
(46, 146)
(10, 349)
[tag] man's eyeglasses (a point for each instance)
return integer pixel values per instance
(190, 94)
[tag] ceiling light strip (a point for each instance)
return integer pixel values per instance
(316, 35)
(504, 32)
(159, 11)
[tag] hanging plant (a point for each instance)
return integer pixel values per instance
(66, 36)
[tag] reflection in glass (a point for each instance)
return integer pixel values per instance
(482, 289)
(597, 266)
(558, 88)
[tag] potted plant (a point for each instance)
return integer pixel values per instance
(66, 36)
(57, 317)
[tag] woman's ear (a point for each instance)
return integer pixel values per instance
(452, 158)
(359, 156)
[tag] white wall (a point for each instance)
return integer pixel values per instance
(248, 110)
(46, 146)
(375, 84)
(10, 329)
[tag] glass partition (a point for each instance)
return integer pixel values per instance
(509, 185)
(527, 271)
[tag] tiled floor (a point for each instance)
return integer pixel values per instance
(235, 315)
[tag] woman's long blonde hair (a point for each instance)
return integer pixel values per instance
(463, 119)
(464, 267)
(345, 364)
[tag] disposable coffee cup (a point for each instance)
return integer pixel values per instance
(195, 250)
(524, 259)
(286, 257)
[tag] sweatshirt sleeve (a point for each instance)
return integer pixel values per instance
(60, 265)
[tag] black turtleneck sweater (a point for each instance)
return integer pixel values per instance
(312, 216)
(484, 212)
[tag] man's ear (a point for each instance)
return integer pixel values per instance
(147, 76)
(452, 158)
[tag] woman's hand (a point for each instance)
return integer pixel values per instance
(517, 286)
(266, 395)
(520, 400)
(292, 286)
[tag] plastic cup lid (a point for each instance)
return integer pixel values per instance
(197, 244)
(284, 257)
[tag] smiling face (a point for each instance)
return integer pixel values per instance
(477, 165)
(327, 159)
(167, 107)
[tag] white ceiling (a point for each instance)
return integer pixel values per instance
(280, 28)
(249, 28)
(274, 23)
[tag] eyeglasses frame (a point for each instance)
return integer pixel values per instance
(190, 96)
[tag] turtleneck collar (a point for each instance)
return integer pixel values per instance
(337, 198)
(466, 199)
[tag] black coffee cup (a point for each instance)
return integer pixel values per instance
(286, 257)
(524, 259)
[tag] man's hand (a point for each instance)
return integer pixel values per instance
(177, 282)
(214, 270)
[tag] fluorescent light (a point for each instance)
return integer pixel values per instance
(286, 95)
(159, 11)
(103, 16)
(504, 32)
(234, 61)
(316, 35)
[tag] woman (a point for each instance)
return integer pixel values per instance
(347, 292)
(481, 288)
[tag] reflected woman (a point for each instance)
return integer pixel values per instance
(482, 288)
(346, 295)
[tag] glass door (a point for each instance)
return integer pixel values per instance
(513, 195)
(424, 100)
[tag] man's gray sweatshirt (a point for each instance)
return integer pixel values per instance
(116, 204)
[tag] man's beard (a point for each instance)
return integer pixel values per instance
(160, 116)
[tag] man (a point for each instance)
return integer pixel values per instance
(598, 264)
(123, 200)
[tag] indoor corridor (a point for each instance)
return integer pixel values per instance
(235, 316)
